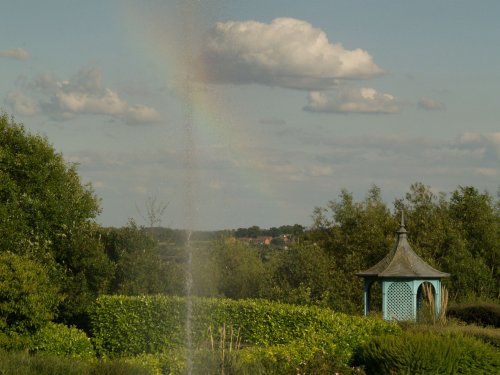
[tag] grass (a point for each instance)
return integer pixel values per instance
(23, 363)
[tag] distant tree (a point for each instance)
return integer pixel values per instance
(154, 211)
(253, 231)
(241, 233)
(273, 232)
(240, 270)
(138, 267)
(302, 275)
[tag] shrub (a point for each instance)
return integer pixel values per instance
(63, 341)
(27, 297)
(420, 353)
(14, 341)
(487, 335)
(128, 326)
(485, 314)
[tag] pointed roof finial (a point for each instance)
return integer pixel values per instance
(402, 229)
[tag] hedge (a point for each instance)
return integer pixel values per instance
(128, 326)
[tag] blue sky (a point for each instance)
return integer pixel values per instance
(240, 113)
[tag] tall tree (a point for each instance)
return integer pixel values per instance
(356, 235)
(46, 213)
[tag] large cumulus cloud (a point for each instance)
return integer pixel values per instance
(287, 53)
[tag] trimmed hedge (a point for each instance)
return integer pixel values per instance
(420, 353)
(484, 314)
(128, 326)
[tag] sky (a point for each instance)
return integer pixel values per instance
(235, 113)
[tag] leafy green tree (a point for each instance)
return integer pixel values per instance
(476, 215)
(28, 299)
(46, 214)
(241, 272)
(254, 231)
(427, 220)
(303, 274)
(138, 268)
(356, 235)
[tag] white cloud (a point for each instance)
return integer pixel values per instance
(489, 172)
(141, 114)
(487, 144)
(15, 53)
(352, 100)
(430, 104)
(286, 52)
(21, 104)
(84, 94)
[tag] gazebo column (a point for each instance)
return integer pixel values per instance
(385, 314)
(414, 288)
(437, 297)
(367, 295)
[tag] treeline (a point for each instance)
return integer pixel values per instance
(255, 231)
(178, 236)
(55, 260)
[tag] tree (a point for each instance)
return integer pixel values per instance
(239, 268)
(302, 275)
(356, 235)
(138, 268)
(46, 213)
(476, 215)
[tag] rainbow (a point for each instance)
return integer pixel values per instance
(170, 35)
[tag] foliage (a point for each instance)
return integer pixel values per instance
(255, 231)
(46, 213)
(303, 275)
(239, 269)
(488, 335)
(27, 298)
(485, 314)
(149, 324)
(138, 268)
(420, 353)
(459, 235)
(356, 235)
(63, 341)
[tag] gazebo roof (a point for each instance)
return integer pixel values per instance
(402, 262)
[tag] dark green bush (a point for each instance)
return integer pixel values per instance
(485, 314)
(60, 340)
(424, 353)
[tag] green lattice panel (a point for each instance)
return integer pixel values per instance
(400, 301)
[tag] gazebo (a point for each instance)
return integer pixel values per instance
(401, 275)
